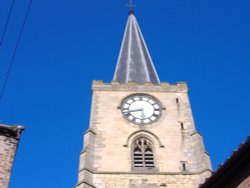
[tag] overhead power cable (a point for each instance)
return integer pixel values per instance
(7, 22)
(15, 51)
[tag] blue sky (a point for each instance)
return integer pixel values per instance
(67, 44)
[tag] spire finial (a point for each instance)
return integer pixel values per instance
(131, 6)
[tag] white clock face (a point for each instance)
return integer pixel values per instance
(141, 109)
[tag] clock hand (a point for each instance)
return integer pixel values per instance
(133, 110)
(143, 116)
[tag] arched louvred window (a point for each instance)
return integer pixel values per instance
(143, 156)
(138, 157)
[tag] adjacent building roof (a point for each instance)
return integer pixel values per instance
(134, 62)
(234, 171)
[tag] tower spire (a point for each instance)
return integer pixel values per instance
(134, 61)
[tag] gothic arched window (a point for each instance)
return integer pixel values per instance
(143, 156)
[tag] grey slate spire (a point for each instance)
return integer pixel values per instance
(134, 61)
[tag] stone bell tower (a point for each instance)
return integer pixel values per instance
(141, 132)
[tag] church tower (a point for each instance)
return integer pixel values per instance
(141, 132)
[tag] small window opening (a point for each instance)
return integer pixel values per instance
(182, 125)
(177, 100)
(184, 166)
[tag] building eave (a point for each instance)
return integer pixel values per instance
(11, 131)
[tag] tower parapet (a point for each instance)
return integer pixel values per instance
(133, 86)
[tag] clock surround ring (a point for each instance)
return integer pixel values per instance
(141, 109)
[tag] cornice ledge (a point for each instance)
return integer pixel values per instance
(84, 182)
(14, 131)
(147, 173)
(196, 133)
(90, 171)
(89, 131)
(206, 153)
(83, 151)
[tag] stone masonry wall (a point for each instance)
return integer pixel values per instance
(9, 138)
(245, 183)
(144, 181)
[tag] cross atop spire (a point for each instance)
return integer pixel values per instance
(131, 6)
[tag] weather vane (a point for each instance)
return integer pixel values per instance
(131, 6)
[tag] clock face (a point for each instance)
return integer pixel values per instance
(141, 109)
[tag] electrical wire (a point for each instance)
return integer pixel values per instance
(15, 51)
(7, 22)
